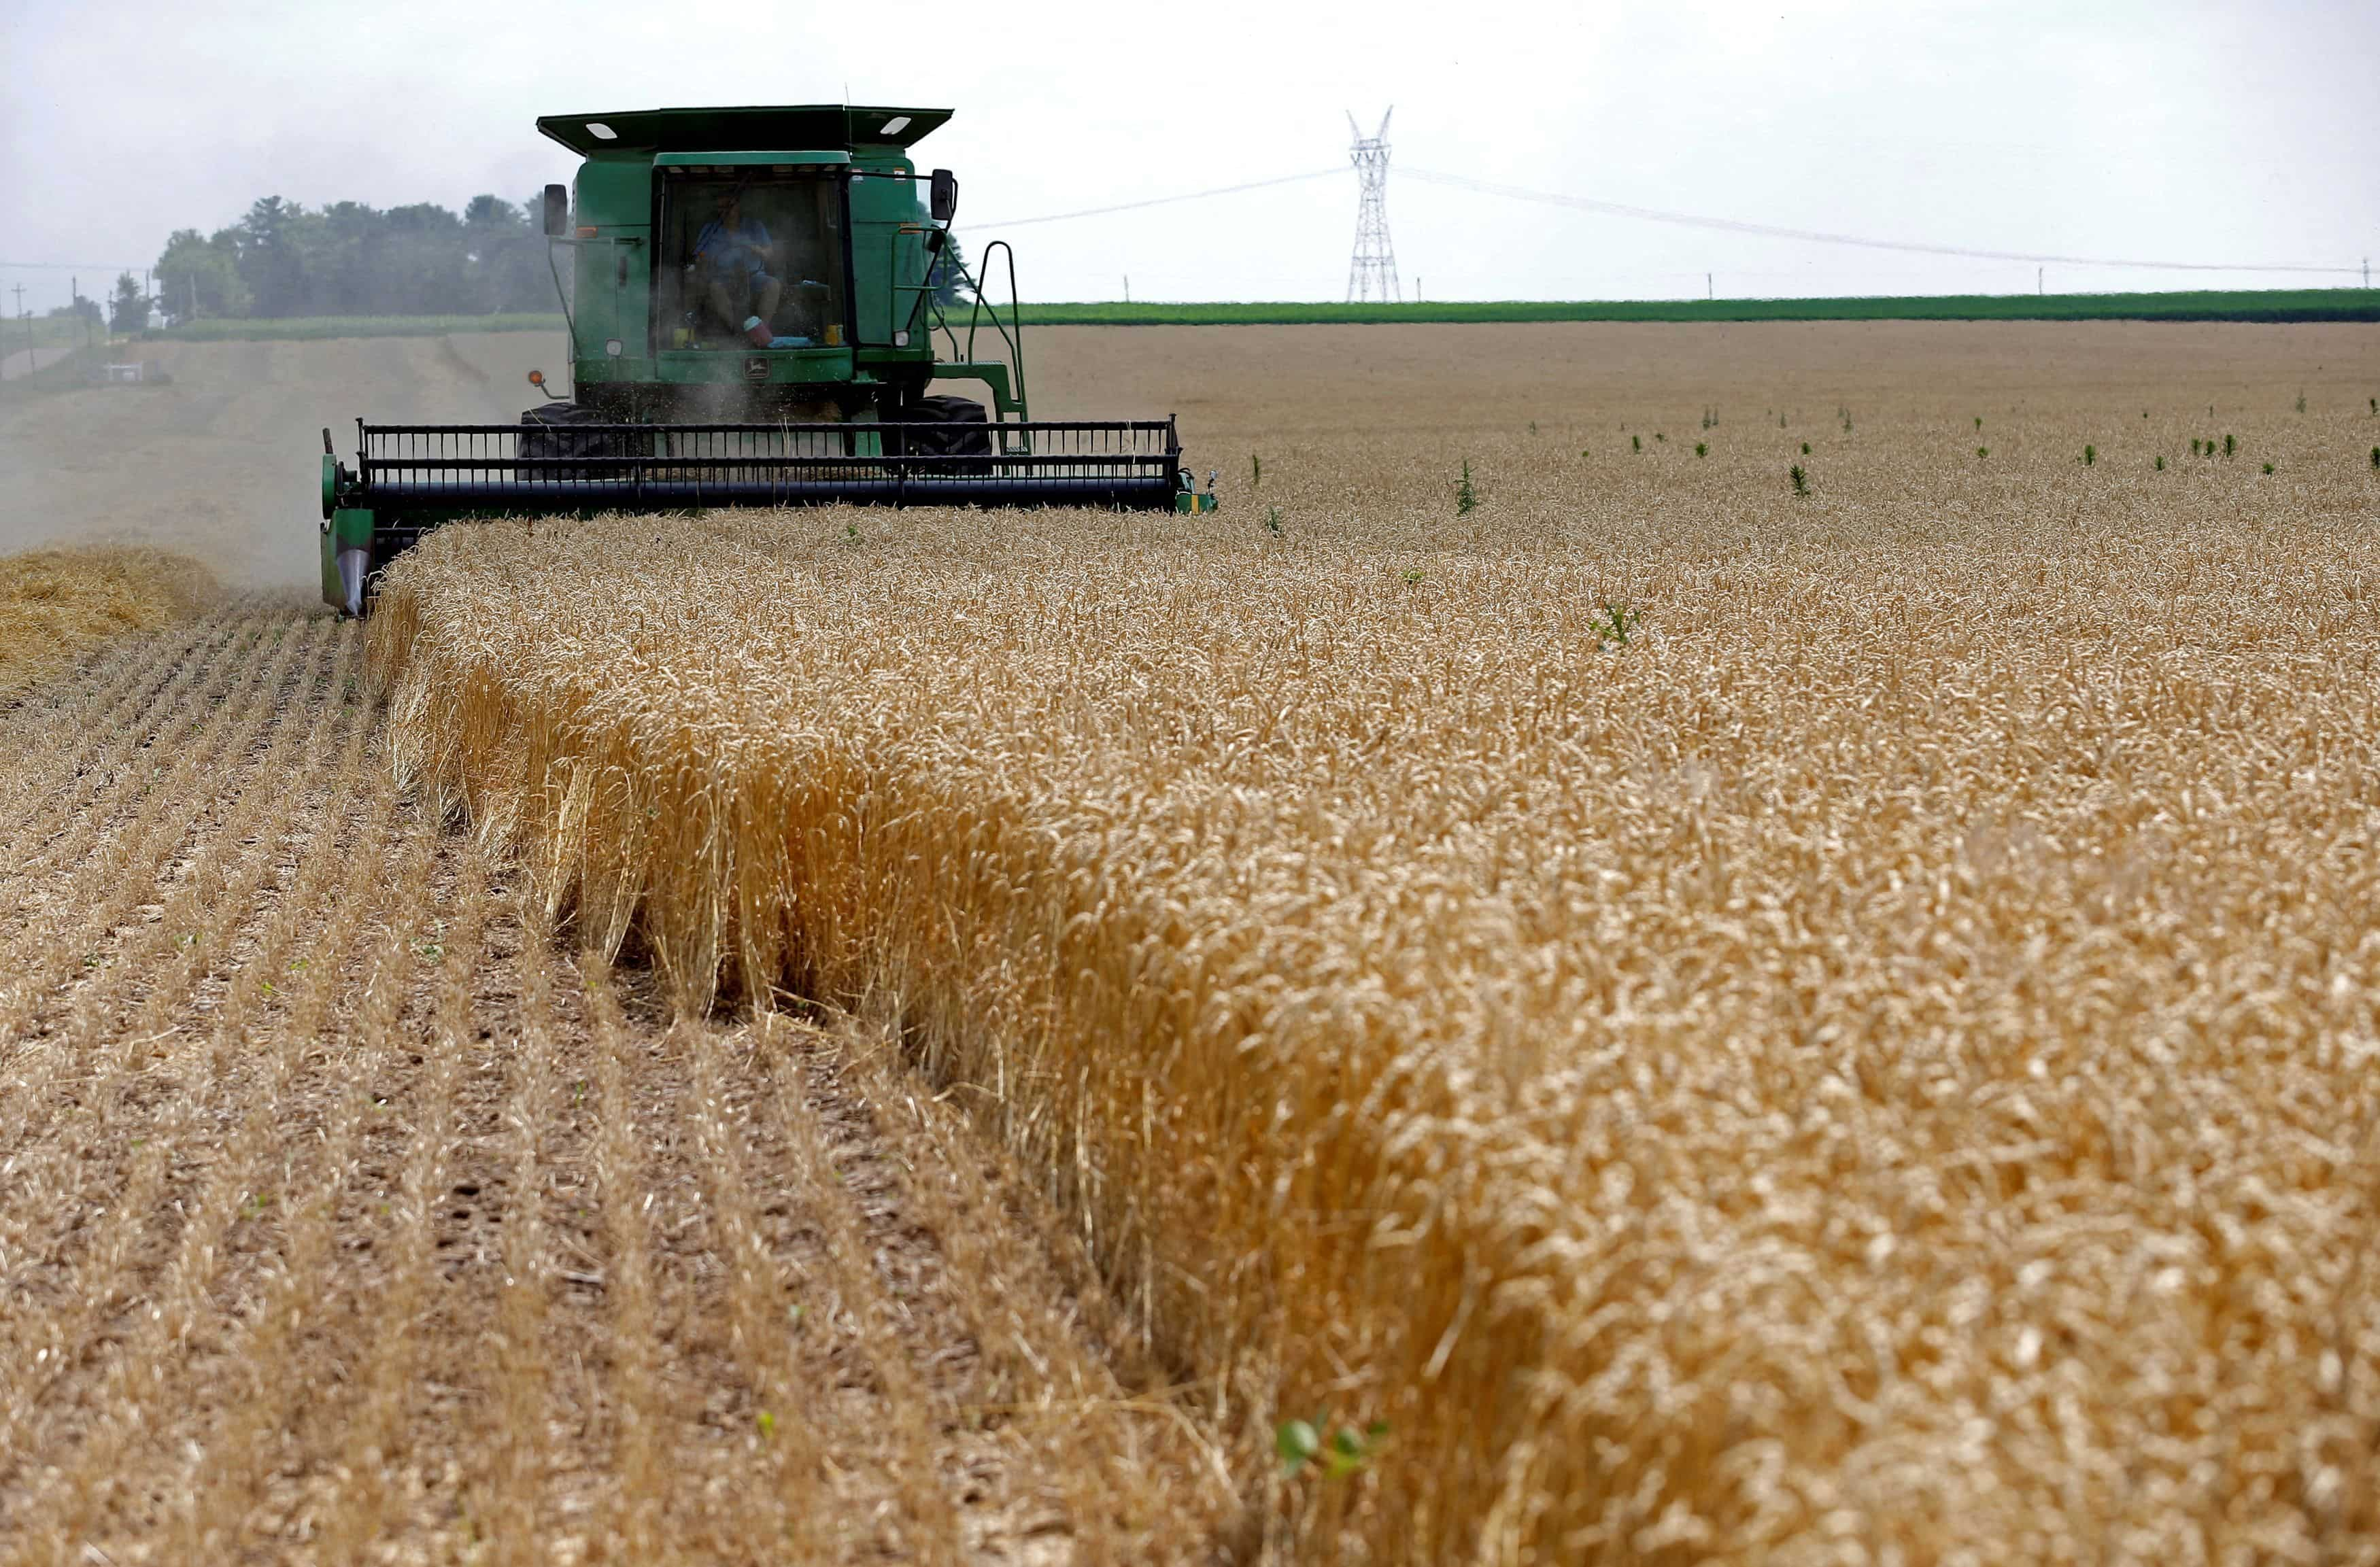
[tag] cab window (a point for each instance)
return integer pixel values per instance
(749, 259)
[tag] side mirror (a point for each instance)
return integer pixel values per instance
(557, 211)
(945, 195)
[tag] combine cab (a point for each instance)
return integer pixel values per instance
(755, 305)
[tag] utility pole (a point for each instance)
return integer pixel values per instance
(1710, 289)
(1372, 269)
(29, 328)
(1127, 288)
(2367, 271)
(2038, 287)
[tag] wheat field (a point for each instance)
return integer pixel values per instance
(1654, 1018)
(1674, 1019)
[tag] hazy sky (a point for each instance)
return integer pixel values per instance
(2153, 131)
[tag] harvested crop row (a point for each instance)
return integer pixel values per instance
(1874, 1056)
(322, 1184)
(142, 1082)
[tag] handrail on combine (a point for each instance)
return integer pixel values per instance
(1011, 332)
(1014, 339)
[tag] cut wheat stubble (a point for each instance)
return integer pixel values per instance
(222, 1351)
(70, 748)
(158, 1088)
(74, 934)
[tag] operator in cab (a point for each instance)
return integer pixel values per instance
(733, 258)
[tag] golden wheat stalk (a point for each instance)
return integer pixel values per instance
(1632, 1089)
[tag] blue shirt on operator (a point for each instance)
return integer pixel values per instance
(744, 247)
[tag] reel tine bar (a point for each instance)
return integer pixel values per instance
(572, 467)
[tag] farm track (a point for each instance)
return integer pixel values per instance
(346, 1213)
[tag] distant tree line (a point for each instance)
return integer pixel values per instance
(347, 258)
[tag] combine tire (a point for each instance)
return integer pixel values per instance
(963, 433)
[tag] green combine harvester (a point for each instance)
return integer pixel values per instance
(754, 300)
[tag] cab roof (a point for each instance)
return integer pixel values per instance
(827, 126)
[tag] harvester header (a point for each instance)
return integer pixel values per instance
(758, 302)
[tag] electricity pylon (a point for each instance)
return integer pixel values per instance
(1372, 270)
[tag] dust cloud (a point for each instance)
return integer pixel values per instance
(222, 463)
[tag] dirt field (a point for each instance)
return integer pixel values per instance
(348, 1211)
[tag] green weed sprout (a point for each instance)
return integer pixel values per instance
(1702, 449)
(1801, 481)
(2090, 456)
(1983, 451)
(1299, 1443)
(1635, 443)
(1255, 470)
(1465, 497)
(2231, 446)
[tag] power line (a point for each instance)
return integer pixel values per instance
(1690, 219)
(66, 266)
(1159, 200)
(1731, 225)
